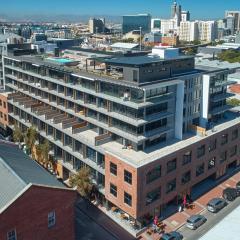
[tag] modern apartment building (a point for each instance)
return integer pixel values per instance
(236, 16)
(188, 31)
(96, 25)
(135, 22)
(149, 127)
(207, 30)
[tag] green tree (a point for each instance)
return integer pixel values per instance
(42, 151)
(233, 102)
(231, 56)
(30, 138)
(18, 136)
(82, 181)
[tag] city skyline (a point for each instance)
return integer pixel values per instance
(73, 8)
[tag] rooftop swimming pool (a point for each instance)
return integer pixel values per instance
(60, 60)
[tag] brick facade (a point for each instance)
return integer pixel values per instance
(3, 111)
(140, 188)
(28, 215)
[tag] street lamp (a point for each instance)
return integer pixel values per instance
(140, 40)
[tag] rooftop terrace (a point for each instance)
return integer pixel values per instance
(140, 158)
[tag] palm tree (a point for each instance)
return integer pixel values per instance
(18, 136)
(30, 138)
(43, 153)
(82, 181)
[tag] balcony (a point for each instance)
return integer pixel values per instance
(221, 96)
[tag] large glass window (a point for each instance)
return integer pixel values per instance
(127, 177)
(113, 168)
(171, 186)
(127, 199)
(187, 158)
(212, 145)
(234, 134)
(200, 169)
(224, 139)
(91, 154)
(233, 151)
(171, 165)
(113, 190)
(153, 196)
(186, 177)
(223, 156)
(201, 151)
(153, 174)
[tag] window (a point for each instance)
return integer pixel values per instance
(201, 151)
(113, 190)
(234, 134)
(200, 169)
(186, 177)
(224, 139)
(127, 199)
(5, 117)
(4, 105)
(113, 168)
(223, 157)
(127, 177)
(51, 219)
(12, 235)
(187, 158)
(171, 186)
(153, 174)
(212, 145)
(171, 165)
(0, 102)
(153, 196)
(233, 151)
(211, 163)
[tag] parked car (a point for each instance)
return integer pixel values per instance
(230, 194)
(216, 204)
(172, 236)
(195, 221)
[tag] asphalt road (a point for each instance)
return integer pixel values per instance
(212, 220)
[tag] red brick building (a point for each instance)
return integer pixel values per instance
(33, 204)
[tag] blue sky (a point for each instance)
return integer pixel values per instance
(198, 8)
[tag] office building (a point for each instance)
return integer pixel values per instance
(142, 124)
(185, 16)
(188, 31)
(96, 25)
(155, 25)
(169, 26)
(230, 24)
(236, 16)
(135, 22)
(32, 200)
(207, 30)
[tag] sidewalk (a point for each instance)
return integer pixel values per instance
(175, 221)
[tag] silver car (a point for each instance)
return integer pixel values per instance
(195, 221)
(216, 204)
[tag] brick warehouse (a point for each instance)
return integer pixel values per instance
(33, 204)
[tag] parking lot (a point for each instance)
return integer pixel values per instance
(176, 222)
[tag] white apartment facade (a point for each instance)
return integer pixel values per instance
(188, 31)
(207, 30)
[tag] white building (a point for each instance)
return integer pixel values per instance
(185, 16)
(169, 25)
(188, 31)
(207, 30)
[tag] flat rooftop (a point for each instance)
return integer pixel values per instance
(140, 158)
(139, 60)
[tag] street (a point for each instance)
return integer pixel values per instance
(212, 220)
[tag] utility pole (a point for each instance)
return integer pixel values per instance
(140, 39)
